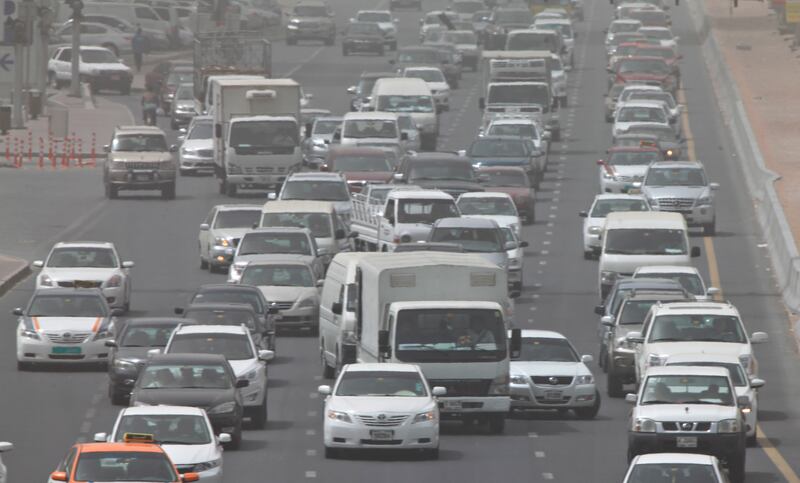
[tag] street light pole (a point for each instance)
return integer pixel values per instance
(75, 87)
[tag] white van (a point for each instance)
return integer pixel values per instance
(135, 13)
(635, 239)
(409, 95)
(373, 129)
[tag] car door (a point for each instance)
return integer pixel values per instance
(205, 235)
(62, 64)
(342, 244)
(641, 349)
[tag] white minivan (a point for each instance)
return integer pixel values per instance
(634, 239)
(409, 95)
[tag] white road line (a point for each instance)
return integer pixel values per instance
(85, 427)
(550, 223)
(552, 215)
(90, 412)
(543, 262)
(533, 308)
(317, 377)
(547, 476)
(533, 435)
(530, 321)
(311, 474)
(294, 69)
(545, 242)
(545, 252)
(313, 395)
(312, 414)
(539, 454)
(311, 432)
(311, 452)
(535, 296)
(548, 233)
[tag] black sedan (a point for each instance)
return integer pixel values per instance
(363, 37)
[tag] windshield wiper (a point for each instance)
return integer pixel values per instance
(657, 401)
(698, 401)
(669, 339)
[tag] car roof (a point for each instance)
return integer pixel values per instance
(701, 357)
(315, 176)
(187, 358)
(658, 295)
(515, 120)
(281, 260)
(212, 329)
(235, 207)
(680, 164)
(226, 306)
(278, 229)
(120, 448)
(381, 366)
(645, 269)
(541, 334)
(367, 115)
(137, 129)
(642, 103)
(419, 194)
(347, 150)
(696, 308)
(97, 244)
(687, 371)
(646, 283)
(661, 458)
(298, 206)
(465, 222)
(69, 292)
(618, 196)
(644, 219)
(163, 409)
(377, 75)
(485, 194)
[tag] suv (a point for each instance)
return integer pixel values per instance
(448, 172)
(318, 186)
(98, 67)
(139, 159)
(689, 409)
(682, 187)
(311, 20)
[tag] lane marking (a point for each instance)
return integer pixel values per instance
(311, 432)
(547, 476)
(311, 474)
(311, 452)
(539, 454)
(533, 435)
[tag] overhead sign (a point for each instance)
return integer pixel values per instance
(792, 11)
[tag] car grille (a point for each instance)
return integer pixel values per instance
(686, 426)
(544, 400)
(80, 283)
(675, 204)
(67, 337)
(141, 164)
(205, 153)
(552, 380)
(283, 305)
(262, 169)
(463, 387)
(382, 422)
(629, 179)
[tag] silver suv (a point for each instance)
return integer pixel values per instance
(682, 187)
(139, 159)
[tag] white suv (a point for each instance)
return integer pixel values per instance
(238, 348)
(98, 66)
(693, 328)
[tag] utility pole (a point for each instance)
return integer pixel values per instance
(19, 40)
(77, 14)
(45, 22)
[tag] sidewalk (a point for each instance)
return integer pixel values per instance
(766, 72)
(12, 270)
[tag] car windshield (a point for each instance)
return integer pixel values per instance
(166, 428)
(618, 27)
(185, 93)
(425, 212)
(139, 143)
(325, 127)
(519, 94)
(428, 75)
(256, 243)
(236, 218)
(603, 207)
(384, 17)
(633, 312)
(697, 328)
(310, 11)
(176, 78)
(363, 28)
(441, 171)
(521, 130)
(650, 66)
(177, 376)
(547, 349)
(381, 383)
(633, 158)
(125, 466)
(370, 128)
(664, 97)
(675, 177)
(235, 347)
(427, 56)
(690, 281)
(278, 276)
(255, 137)
(362, 163)
(645, 241)
(218, 295)
(67, 306)
(478, 240)
(498, 148)
(506, 179)
(140, 335)
(315, 190)
(641, 114)
(319, 224)
(486, 206)
(687, 390)
(735, 370)
(672, 473)
(98, 57)
(82, 257)
(201, 130)
(394, 103)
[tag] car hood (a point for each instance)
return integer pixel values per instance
(187, 454)
(372, 405)
(275, 293)
(150, 156)
(375, 37)
(73, 273)
(230, 232)
(240, 368)
(545, 368)
(504, 221)
(634, 170)
(627, 264)
(107, 66)
(67, 324)
(732, 349)
(202, 398)
(193, 144)
(499, 161)
(438, 86)
(628, 76)
(444, 184)
(498, 258)
(673, 191)
(270, 257)
(625, 329)
(686, 412)
(311, 20)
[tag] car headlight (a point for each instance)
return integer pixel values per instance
(728, 426)
(745, 360)
(114, 281)
(589, 379)
(208, 465)
(339, 416)
(705, 200)
(233, 168)
(238, 267)
(226, 407)
(643, 425)
(221, 241)
(595, 230)
(46, 281)
(188, 152)
(429, 416)
(514, 263)
(608, 277)
(606, 174)
(654, 360)
(30, 334)
(519, 379)
(499, 385)
(124, 365)
(306, 303)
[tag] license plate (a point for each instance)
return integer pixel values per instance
(687, 442)
(381, 434)
(142, 176)
(84, 284)
(552, 395)
(66, 350)
(115, 77)
(452, 404)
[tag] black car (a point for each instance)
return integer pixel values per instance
(503, 20)
(363, 90)
(226, 293)
(226, 314)
(363, 37)
(198, 380)
(128, 351)
(508, 151)
(428, 55)
(448, 172)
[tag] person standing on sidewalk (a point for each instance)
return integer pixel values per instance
(138, 45)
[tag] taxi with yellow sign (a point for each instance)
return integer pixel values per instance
(135, 459)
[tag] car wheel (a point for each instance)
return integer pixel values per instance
(591, 411)
(497, 423)
(236, 437)
(331, 453)
(613, 384)
(53, 81)
(710, 229)
(736, 468)
(258, 417)
(203, 264)
(111, 191)
(24, 366)
(752, 440)
(168, 192)
(116, 397)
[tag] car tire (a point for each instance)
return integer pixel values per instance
(203, 263)
(24, 366)
(497, 423)
(591, 411)
(258, 417)
(331, 453)
(601, 357)
(328, 372)
(736, 468)
(710, 229)
(752, 441)
(116, 398)
(588, 255)
(168, 192)
(111, 191)
(236, 437)
(230, 190)
(613, 384)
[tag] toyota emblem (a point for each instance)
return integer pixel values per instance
(382, 417)
(553, 380)
(66, 336)
(686, 426)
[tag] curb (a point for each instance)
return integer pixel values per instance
(19, 273)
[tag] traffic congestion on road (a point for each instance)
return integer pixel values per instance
(444, 240)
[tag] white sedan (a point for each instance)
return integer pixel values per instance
(631, 113)
(436, 82)
(184, 433)
(549, 374)
(677, 467)
(499, 207)
(381, 406)
(689, 277)
(87, 265)
(595, 218)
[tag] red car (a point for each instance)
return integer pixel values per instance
(513, 181)
(359, 165)
(667, 53)
(646, 70)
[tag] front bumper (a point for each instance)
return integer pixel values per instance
(304, 318)
(458, 406)
(591, 242)
(316, 32)
(725, 446)
(214, 475)
(696, 216)
(44, 351)
(260, 181)
(141, 179)
(182, 118)
(253, 394)
(532, 396)
(196, 163)
(221, 256)
(408, 435)
(364, 45)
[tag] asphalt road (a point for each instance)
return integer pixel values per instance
(44, 412)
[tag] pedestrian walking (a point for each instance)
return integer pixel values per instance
(138, 45)
(149, 107)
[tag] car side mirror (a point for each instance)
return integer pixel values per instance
(204, 227)
(320, 283)
(713, 186)
(324, 390)
(272, 196)
(586, 358)
(695, 252)
(224, 438)
(510, 245)
(759, 337)
(128, 264)
(106, 149)
(173, 148)
(266, 355)
(110, 343)
(100, 437)
(153, 352)
(351, 90)
(340, 234)
(240, 383)
(607, 320)
(515, 347)
(635, 337)
(630, 398)
(178, 310)
(17, 311)
(600, 309)
(336, 308)
(583, 214)
(524, 244)
(38, 263)
(546, 136)
(712, 291)
(353, 235)
(398, 177)
(757, 383)
(58, 476)
(439, 391)
(462, 152)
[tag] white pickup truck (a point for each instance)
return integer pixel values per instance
(406, 216)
